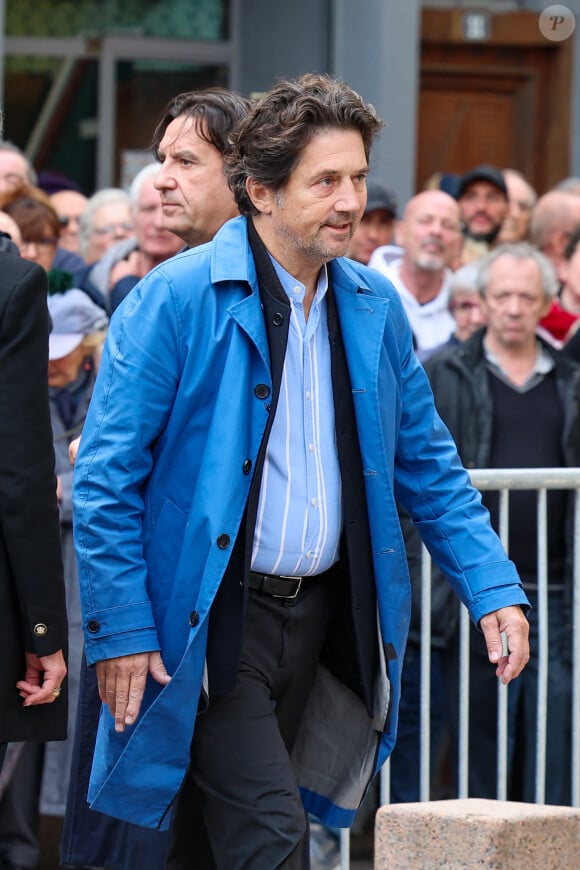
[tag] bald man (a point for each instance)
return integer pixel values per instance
(430, 237)
(554, 218)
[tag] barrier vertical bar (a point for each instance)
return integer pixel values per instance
(463, 707)
(576, 657)
(345, 849)
(425, 697)
(542, 651)
(502, 696)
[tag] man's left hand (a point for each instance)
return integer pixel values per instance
(512, 621)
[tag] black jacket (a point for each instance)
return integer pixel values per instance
(32, 601)
(459, 381)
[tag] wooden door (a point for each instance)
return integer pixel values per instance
(504, 101)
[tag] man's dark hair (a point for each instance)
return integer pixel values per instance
(215, 112)
(268, 142)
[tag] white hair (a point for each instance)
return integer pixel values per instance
(465, 279)
(107, 196)
(520, 251)
(149, 171)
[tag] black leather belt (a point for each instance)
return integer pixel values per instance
(275, 585)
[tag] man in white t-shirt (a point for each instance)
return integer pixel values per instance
(430, 238)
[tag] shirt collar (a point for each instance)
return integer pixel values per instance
(543, 365)
(294, 289)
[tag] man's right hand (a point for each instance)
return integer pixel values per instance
(122, 684)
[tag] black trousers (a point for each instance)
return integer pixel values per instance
(19, 818)
(240, 808)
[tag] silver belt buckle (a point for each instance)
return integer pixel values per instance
(289, 577)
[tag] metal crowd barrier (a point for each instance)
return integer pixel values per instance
(503, 481)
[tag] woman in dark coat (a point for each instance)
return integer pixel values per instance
(40, 780)
(33, 624)
(78, 332)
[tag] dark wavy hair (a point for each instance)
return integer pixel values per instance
(215, 111)
(268, 142)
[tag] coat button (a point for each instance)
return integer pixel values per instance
(40, 629)
(93, 626)
(278, 319)
(262, 391)
(223, 542)
(247, 466)
(193, 618)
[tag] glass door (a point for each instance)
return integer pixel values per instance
(85, 83)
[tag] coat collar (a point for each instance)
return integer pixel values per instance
(228, 265)
(362, 311)
(231, 258)
(232, 262)
(363, 316)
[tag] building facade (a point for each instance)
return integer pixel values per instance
(456, 82)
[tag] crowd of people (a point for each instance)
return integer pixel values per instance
(486, 271)
(213, 407)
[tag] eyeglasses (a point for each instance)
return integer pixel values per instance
(65, 220)
(111, 228)
(42, 242)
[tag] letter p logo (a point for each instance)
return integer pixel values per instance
(557, 23)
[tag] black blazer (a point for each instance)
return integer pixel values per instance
(351, 647)
(32, 597)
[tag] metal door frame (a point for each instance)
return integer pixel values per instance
(107, 51)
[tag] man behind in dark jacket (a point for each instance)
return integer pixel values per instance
(512, 401)
(189, 142)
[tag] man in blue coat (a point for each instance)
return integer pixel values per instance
(258, 413)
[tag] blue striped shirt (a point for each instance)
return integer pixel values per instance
(299, 512)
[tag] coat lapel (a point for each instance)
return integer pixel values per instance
(363, 318)
(248, 315)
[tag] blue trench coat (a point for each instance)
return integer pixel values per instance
(160, 493)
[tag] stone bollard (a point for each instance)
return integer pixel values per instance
(474, 833)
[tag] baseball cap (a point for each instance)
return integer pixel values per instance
(73, 315)
(491, 174)
(379, 197)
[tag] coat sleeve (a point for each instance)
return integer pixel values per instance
(432, 484)
(131, 402)
(29, 520)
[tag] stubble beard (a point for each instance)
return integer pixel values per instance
(488, 238)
